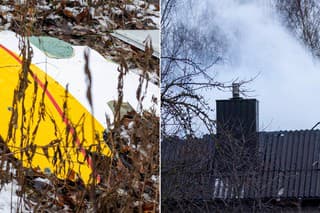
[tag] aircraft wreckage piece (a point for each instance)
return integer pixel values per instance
(51, 128)
(137, 38)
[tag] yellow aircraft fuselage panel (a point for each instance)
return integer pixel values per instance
(47, 129)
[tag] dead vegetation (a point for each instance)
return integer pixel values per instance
(85, 23)
(129, 179)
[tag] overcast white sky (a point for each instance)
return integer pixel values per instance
(288, 79)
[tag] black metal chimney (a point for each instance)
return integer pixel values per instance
(237, 116)
(236, 147)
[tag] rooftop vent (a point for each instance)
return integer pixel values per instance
(235, 90)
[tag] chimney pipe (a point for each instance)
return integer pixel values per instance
(238, 125)
(235, 90)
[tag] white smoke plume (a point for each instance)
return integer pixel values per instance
(258, 44)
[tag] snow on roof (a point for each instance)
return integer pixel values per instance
(137, 37)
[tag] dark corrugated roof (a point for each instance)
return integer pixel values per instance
(291, 163)
(289, 167)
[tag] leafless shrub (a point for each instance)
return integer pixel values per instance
(302, 18)
(133, 177)
(187, 58)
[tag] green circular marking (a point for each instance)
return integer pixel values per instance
(52, 47)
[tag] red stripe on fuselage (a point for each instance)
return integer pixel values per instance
(56, 106)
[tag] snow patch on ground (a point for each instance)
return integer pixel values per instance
(4, 8)
(9, 201)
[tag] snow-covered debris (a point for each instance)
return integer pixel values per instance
(43, 180)
(5, 8)
(138, 38)
(130, 8)
(44, 7)
(154, 178)
(10, 201)
(64, 19)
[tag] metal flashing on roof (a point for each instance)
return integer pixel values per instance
(137, 37)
